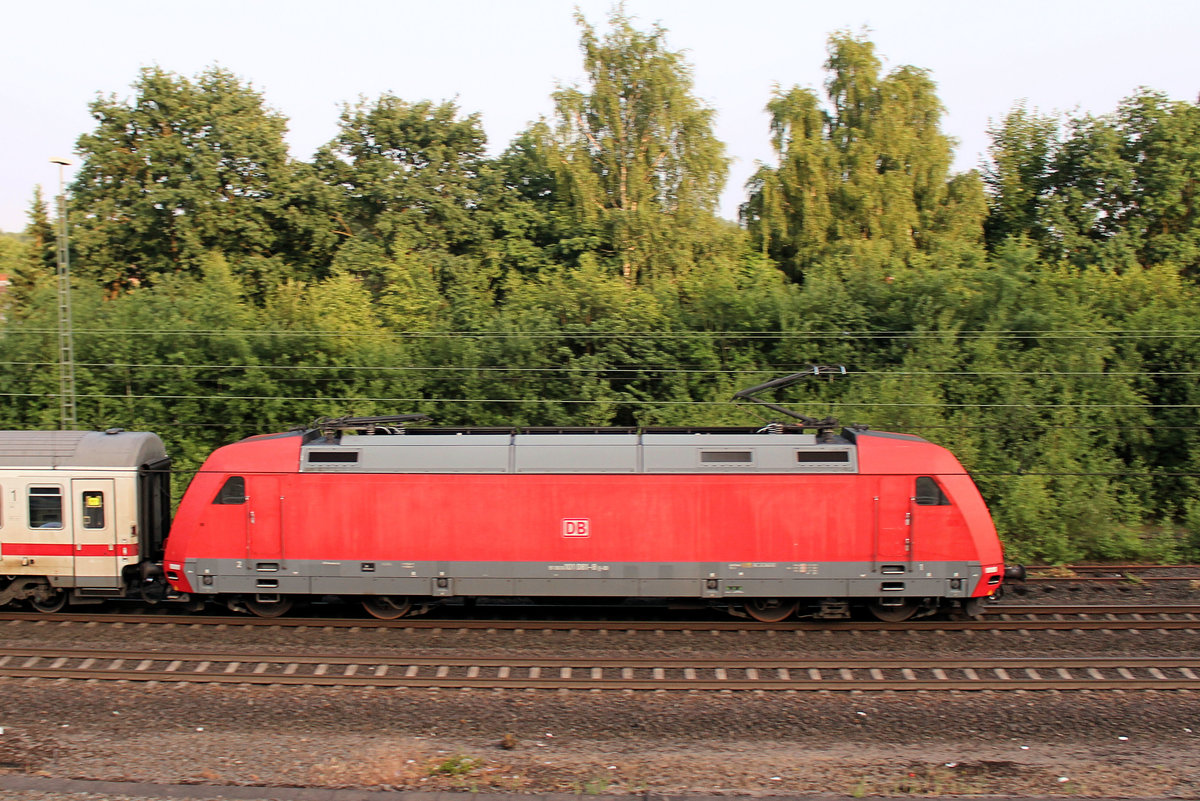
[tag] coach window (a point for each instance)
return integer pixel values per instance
(233, 492)
(93, 510)
(45, 507)
(929, 493)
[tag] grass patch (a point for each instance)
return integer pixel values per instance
(457, 765)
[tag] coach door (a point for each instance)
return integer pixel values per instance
(94, 530)
(263, 536)
(893, 525)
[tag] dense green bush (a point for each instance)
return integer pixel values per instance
(1039, 322)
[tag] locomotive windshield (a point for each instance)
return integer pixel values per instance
(929, 493)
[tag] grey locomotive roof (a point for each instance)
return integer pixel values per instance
(54, 449)
(592, 452)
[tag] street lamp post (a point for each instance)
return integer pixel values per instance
(66, 339)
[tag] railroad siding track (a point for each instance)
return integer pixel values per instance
(1121, 673)
(1111, 573)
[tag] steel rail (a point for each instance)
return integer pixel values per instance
(595, 673)
(1000, 618)
(1101, 579)
(636, 662)
(1113, 568)
(1091, 609)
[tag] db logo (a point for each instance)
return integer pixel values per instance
(577, 527)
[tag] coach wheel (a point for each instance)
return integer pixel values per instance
(387, 607)
(279, 606)
(771, 610)
(49, 602)
(893, 612)
(152, 591)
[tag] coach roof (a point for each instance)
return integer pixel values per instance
(53, 449)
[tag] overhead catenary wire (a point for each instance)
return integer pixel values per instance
(583, 333)
(1040, 425)
(621, 400)
(646, 373)
(640, 371)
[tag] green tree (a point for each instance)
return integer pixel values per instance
(408, 173)
(184, 168)
(1111, 192)
(30, 259)
(529, 226)
(1019, 176)
(634, 155)
(14, 251)
(43, 239)
(1162, 142)
(869, 178)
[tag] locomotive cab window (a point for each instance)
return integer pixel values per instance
(929, 493)
(45, 507)
(93, 510)
(232, 492)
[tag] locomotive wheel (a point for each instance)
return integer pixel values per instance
(892, 614)
(387, 607)
(771, 610)
(269, 608)
(49, 604)
(970, 609)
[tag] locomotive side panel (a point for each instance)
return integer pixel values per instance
(567, 517)
(523, 535)
(659, 536)
(709, 516)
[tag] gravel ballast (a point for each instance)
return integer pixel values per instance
(1143, 743)
(1113, 744)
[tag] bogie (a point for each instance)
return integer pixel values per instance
(892, 610)
(268, 605)
(387, 607)
(771, 610)
(48, 600)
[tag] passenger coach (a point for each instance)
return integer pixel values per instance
(81, 514)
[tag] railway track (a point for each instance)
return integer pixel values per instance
(1115, 572)
(1001, 617)
(599, 673)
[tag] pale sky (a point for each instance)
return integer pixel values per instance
(503, 58)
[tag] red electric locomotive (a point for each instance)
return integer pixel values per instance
(772, 521)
